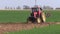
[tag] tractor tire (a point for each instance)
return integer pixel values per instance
(29, 20)
(43, 17)
(38, 20)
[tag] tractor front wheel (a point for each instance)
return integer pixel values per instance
(38, 20)
(43, 17)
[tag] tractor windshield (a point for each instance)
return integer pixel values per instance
(35, 9)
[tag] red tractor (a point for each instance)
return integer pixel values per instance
(37, 16)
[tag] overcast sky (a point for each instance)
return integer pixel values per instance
(14, 3)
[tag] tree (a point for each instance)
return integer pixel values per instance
(47, 7)
(18, 7)
(26, 7)
(6, 7)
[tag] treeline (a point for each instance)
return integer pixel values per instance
(28, 7)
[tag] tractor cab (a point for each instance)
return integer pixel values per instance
(36, 11)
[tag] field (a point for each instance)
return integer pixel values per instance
(9, 16)
(10, 21)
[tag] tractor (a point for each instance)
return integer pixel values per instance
(36, 16)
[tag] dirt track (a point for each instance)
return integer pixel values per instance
(18, 26)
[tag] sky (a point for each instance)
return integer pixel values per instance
(15, 3)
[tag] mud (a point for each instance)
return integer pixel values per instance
(18, 26)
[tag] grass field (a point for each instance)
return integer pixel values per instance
(13, 16)
(22, 15)
(52, 29)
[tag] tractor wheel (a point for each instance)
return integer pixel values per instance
(43, 17)
(29, 21)
(38, 20)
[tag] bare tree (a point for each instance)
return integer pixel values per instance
(26, 7)
(47, 7)
(6, 7)
(18, 7)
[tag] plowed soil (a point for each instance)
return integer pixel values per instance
(19, 26)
